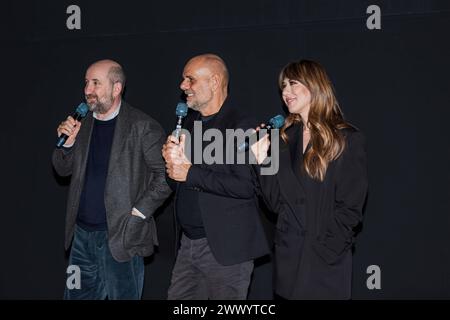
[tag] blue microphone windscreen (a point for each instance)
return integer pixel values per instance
(277, 122)
(82, 109)
(182, 109)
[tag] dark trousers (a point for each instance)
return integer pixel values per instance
(101, 275)
(198, 276)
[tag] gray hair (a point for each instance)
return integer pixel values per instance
(116, 74)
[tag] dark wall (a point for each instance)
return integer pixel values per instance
(392, 83)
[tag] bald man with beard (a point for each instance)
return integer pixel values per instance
(219, 231)
(117, 183)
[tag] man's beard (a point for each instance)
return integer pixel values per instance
(100, 107)
(198, 105)
(194, 106)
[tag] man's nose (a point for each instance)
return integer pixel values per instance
(184, 85)
(88, 89)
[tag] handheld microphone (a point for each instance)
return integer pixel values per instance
(80, 112)
(274, 123)
(181, 112)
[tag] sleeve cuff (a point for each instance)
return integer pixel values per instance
(136, 212)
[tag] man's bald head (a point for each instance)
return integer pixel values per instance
(216, 66)
(112, 69)
(205, 83)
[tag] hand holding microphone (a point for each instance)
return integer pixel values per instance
(274, 123)
(174, 139)
(68, 129)
(260, 148)
(177, 164)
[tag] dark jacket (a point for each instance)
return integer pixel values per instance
(227, 198)
(136, 178)
(316, 220)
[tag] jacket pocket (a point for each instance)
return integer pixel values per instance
(332, 244)
(140, 236)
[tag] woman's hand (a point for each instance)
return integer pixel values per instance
(261, 147)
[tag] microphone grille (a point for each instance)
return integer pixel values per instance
(277, 122)
(82, 109)
(182, 109)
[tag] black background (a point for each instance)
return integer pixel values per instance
(392, 83)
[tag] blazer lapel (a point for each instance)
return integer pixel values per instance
(120, 135)
(291, 160)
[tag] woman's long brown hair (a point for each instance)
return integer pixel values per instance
(325, 117)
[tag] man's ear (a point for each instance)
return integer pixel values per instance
(117, 89)
(215, 82)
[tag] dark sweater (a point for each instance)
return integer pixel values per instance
(92, 211)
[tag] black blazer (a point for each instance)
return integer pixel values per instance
(227, 198)
(316, 220)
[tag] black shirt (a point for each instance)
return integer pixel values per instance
(187, 207)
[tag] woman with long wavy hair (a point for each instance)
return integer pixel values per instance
(319, 190)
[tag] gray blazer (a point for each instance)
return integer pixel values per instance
(136, 178)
